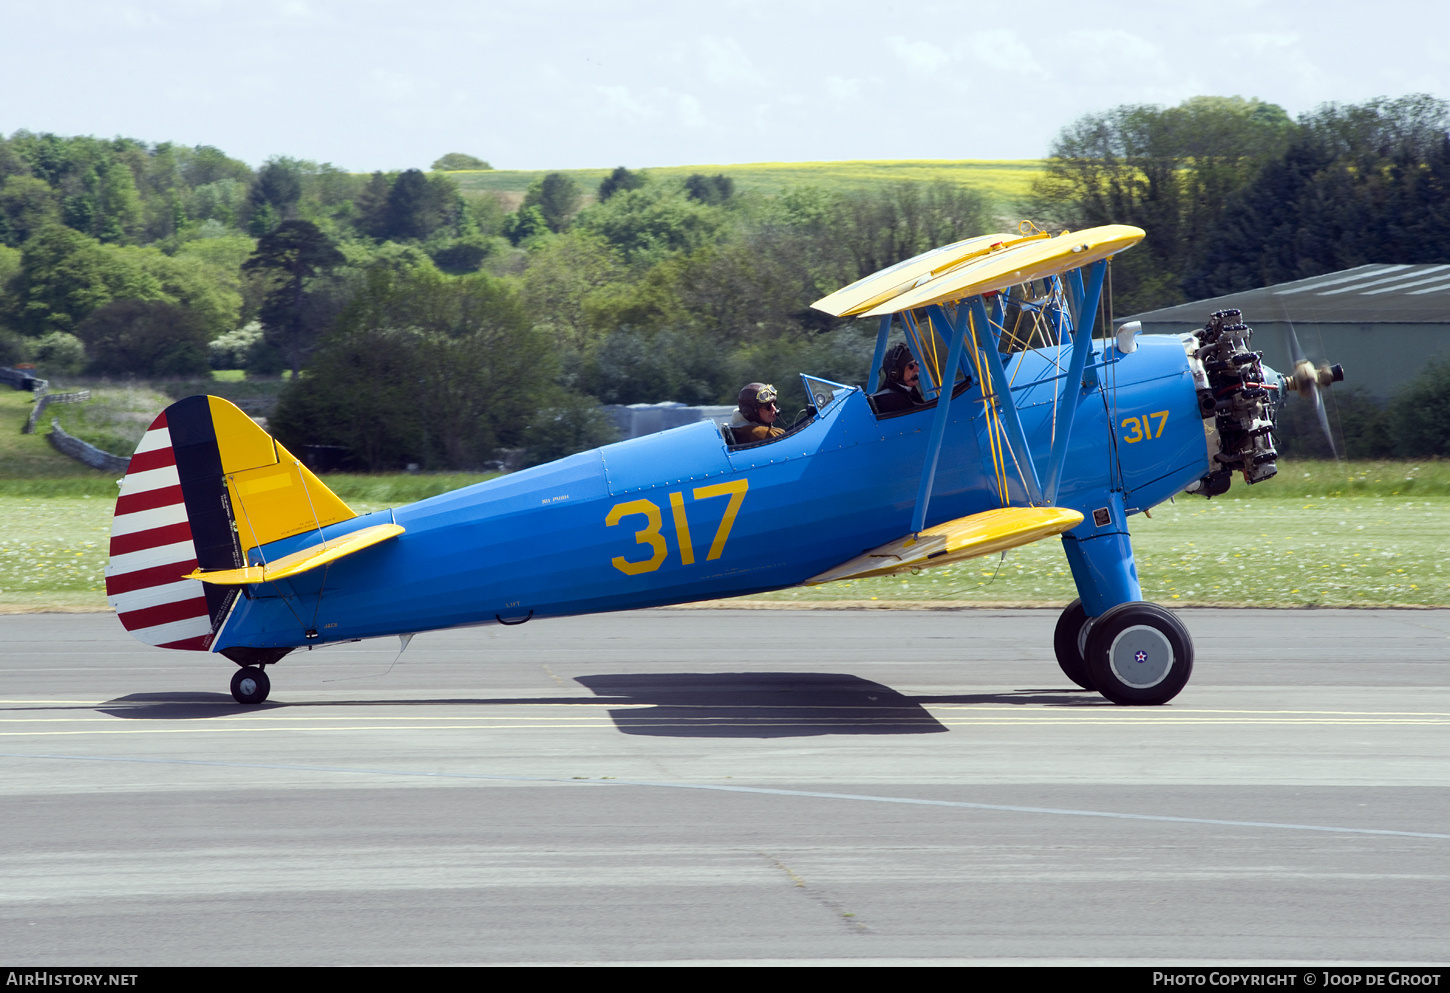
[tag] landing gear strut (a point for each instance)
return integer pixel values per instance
(250, 685)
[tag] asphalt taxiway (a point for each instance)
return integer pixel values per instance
(729, 785)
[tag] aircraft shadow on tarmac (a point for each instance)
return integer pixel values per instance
(682, 705)
(178, 706)
(775, 704)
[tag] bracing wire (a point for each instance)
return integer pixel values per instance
(989, 411)
(310, 507)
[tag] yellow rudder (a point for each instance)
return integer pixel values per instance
(273, 495)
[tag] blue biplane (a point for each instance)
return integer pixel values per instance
(1029, 426)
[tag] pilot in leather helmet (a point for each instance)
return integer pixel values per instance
(901, 374)
(754, 418)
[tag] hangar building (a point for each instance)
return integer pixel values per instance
(1383, 323)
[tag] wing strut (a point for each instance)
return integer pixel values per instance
(874, 383)
(1002, 393)
(939, 422)
(1084, 301)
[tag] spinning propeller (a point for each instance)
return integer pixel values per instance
(1309, 381)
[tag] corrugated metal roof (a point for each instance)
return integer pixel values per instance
(1369, 294)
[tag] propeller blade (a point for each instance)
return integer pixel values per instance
(1318, 394)
(1296, 354)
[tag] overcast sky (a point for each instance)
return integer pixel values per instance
(389, 84)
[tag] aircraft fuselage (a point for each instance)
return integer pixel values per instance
(678, 516)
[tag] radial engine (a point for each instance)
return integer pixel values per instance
(1237, 397)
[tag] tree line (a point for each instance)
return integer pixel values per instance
(1234, 194)
(424, 324)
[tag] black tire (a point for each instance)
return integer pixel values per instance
(1139, 653)
(1069, 641)
(250, 685)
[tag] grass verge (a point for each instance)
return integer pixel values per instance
(1369, 534)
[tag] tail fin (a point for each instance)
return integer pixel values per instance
(205, 486)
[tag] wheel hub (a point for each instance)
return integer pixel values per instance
(1141, 656)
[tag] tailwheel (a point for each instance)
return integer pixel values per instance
(1069, 641)
(250, 685)
(1139, 653)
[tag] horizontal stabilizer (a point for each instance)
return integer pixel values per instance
(300, 562)
(963, 538)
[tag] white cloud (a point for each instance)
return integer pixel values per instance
(842, 89)
(1128, 52)
(1000, 48)
(921, 57)
(619, 102)
(726, 64)
(691, 116)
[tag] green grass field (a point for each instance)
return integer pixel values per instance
(1326, 534)
(1006, 181)
(1361, 534)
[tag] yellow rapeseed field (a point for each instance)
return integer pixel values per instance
(1007, 181)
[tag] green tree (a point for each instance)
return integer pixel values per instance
(619, 181)
(145, 338)
(527, 223)
(879, 228)
(1169, 171)
(1420, 414)
(204, 164)
(371, 206)
(59, 354)
(290, 257)
(458, 257)
(455, 161)
(204, 277)
(649, 224)
(569, 423)
(415, 207)
(274, 195)
(1358, 184)
(224, 200)
(422, 367)
(358, 397)
(64, 275)
(714, 189)
(9, 268)
(560, 285)
(557, 197)
(27, 204)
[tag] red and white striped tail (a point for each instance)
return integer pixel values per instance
(151, 549)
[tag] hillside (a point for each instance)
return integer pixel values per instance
(1007, 181)
(30, 456)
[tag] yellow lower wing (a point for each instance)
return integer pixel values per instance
(963, 538)
(303, 561)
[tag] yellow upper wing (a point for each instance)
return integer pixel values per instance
(880, 286)
(1013, 265)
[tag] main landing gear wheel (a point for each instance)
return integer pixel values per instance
(1139, 653)
(1070, 642)
(250, 685)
